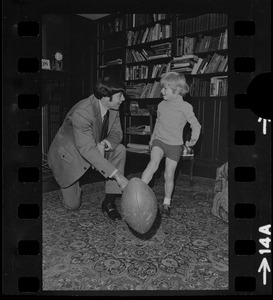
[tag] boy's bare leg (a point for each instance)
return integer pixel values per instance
(156, 156)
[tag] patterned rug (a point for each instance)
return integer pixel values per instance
(84, 250)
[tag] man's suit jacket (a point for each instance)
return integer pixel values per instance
(74, 148)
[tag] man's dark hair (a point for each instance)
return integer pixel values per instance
(108, 86)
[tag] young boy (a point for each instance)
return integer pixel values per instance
(172, 115)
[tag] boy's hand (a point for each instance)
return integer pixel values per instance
(190, 143)
(121, 180)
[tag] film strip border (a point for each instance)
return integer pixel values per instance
(249, 157)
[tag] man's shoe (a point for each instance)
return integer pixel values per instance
(166, 210)
(111, 210)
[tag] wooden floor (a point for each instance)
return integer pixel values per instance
(135, 163)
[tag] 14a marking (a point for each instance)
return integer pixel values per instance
(264, 266)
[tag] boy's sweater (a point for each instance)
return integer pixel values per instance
(172, 116)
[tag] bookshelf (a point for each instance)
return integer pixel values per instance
(149, 45)
(110, 46)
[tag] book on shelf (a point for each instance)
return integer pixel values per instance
(130, 37)
(211, 65)
(223, 42)
(196, 66)
(155, 70)
(199, 87)
(216, 61)
(134, 56)
(215, 67)
(179, 46)
(164, 46)
(184, 63)
(148, 53)
(188, 45)
(158, 17)
(136, 72)
(156, 56)
(185, 57)
(152, 92)
(135, 90)
(136, 36)
(223, 64)
(144, 35)
(162, 70)
(148, 34)
(134, 20)
(204, 64)
(146, 90)
(207, 43)
(182, 70)
(201, 23)
(157, 91)
(218, 86)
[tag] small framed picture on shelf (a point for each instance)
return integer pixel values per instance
(45, 64)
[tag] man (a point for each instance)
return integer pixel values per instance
(79, 144)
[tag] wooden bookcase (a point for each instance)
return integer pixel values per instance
(146, 45)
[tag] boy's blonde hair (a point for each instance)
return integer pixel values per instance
(175, 81)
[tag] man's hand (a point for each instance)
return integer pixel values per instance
(121, 180)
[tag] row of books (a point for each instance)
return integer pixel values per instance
(134, 20)
(142, 71)
(160, 49)
(148, 53)
(135, 90)
(201, 23)
(218, 86)
(136, 72)
(213, 87)
(184, 63)
(211, 64)
(160, 69)
(145, 35)
(191, 63)
(184, 26)
(151, 90)
(199, 44)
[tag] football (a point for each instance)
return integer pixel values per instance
(139, 205)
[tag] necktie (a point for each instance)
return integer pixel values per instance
(105, 124)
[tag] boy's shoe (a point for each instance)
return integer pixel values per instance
(166, 210)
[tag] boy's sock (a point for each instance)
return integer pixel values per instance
(167, 201)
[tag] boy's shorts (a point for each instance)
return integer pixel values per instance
(171, 151)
